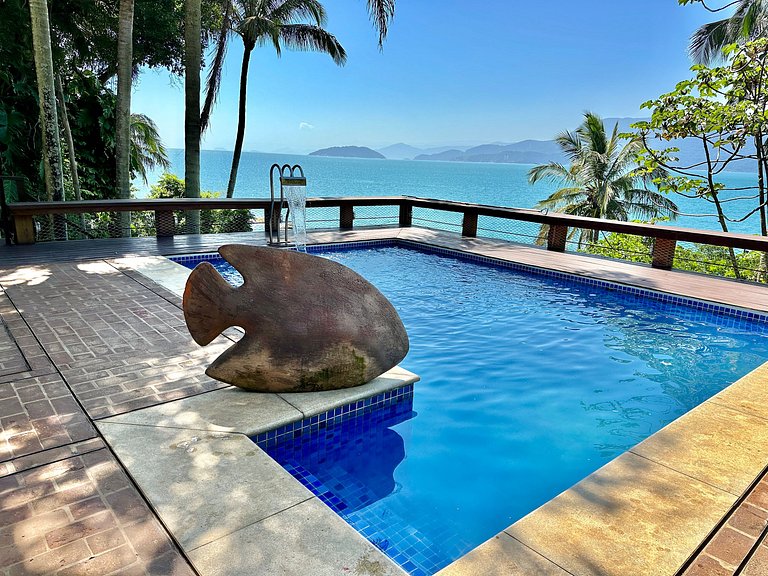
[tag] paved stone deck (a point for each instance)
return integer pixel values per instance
(82, 340)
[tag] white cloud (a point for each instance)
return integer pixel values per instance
(306, 126)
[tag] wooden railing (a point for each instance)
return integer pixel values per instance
(665, 237)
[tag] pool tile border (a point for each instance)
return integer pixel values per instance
(664, 297)
(333, 416)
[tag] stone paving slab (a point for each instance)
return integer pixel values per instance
(81, 516)
(318, 548)
(49, 456)
(227, 410)
(204, 485)
(502, 555)
(11, 359)
(37, 414)
(21, 356)
(737, 545)
(118, 345)
(632, 516)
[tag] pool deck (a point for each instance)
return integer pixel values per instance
(89, 347)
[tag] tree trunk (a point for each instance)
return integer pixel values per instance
(719, 208)
(192, 65)
(240, 121)
(70, 145)
(762, 274)
(123, 109)
(54, 178)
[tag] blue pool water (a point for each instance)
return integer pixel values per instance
(529, 383)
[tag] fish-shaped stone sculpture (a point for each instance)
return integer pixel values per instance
(310, 323)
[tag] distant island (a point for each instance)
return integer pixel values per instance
(348, 152)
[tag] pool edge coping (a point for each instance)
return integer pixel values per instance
(526, 551)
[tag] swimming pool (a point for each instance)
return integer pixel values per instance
(529, 383)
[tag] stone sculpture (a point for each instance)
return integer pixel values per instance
(310, 323)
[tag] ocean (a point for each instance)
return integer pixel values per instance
(494, 184)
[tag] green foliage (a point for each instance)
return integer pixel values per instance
(748, 20)
(703, 258)
(211, 221)
(723, 108)
(84, 36)
(623, 247)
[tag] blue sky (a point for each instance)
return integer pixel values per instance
(451, 72)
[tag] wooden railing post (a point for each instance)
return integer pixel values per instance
(406, 215)
(663, 253)
(469, 224)
(346, 216)
(25, 229)
(164, 224)
(556, 237)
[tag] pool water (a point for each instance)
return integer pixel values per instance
(528, 384)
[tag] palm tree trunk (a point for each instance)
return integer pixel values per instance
(123, 109)
(192, 64)
(240, 121)
(68, 139)
(70, 145)
(41, 40)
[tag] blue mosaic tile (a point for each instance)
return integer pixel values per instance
(360, 500)
(722, 310)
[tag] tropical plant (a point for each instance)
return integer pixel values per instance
(602, 180)
(147, 150)
(748, 22)
(211, 221)
(381, 13)
(722, 110)
(281, 24)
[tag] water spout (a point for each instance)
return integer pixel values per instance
(297, 207)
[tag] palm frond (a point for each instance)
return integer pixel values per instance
(381, 13)
(147, 151)
(307, 37)
(570, 143)
(707, 42)
(553, 171)
(296, 11)
(593, 131)
(213, 81)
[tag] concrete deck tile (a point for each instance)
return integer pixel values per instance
(165, 272)
(227, 410)
(712, 443)
(632, 516)
(749, 394)
(306, 539)
(319, 402)
(502, 555)
(204, 485)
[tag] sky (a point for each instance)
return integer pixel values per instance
(450, 73)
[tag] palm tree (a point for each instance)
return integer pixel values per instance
(277, 22)
(602, 180)
(381, 13)
(147, 150)
(749, 21)
(123, 109)
(41, 40)
(192, 64)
